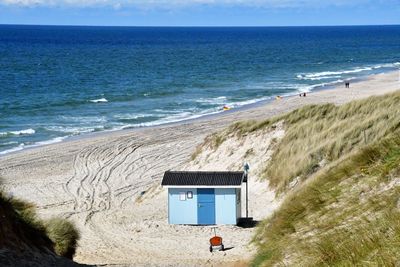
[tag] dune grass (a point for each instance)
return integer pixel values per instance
(64, 235)
(59, 234)
(27, 213)
(24, 211)
(317, 135)
(320, 134)
(348, 215)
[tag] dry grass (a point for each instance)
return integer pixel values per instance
(323, 133)
(27, 212)
(63, 234)
(325, 223)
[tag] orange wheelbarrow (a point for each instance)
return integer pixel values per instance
(216, 242)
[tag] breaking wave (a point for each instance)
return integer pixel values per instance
(21, 132)
(100, 100)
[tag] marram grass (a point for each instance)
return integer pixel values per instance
(348, 213)
(62, 233)
(64, 236)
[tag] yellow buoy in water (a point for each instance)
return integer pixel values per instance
(226, 108)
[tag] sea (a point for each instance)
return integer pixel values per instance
(57, 82)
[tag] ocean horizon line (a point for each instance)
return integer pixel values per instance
(203, 26)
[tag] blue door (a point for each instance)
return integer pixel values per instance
(206, 206)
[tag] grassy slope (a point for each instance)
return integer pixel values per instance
(347, 215)
(24, 227)
(346, 210)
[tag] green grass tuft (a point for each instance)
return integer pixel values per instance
(58, 234)
(27, 213)
(64, 235)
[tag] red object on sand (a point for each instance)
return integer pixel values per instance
(216, 242)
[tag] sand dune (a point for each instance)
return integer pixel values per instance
(109, 183)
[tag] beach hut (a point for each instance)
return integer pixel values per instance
(203, 198)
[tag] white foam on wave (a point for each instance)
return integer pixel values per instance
(308, 88)
(180, 117)
(48, 142)
(332, 83)
(100, 100)
(164, 111)
(74, 130)
(14, 149)
(84, 119)
(388, 65)
(37, 144)
(134, 116)
(21, 132)
(300, 77)
(336, 74)
(248, 102)
(213, 101)
(9, 143)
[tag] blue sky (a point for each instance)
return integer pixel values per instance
(200, 12)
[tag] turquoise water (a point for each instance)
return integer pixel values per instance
(59, 81)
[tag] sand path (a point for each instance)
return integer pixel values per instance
(108, 184)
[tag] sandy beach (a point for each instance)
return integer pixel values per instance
(109, 183)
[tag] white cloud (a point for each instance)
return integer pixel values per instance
(118, 4)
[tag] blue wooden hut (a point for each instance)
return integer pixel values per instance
(203, 198)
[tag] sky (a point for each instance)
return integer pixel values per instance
(200, 12)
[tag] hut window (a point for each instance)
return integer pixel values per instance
(189, 194)
(182, 196)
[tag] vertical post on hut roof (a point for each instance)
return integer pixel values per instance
(246, 173)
